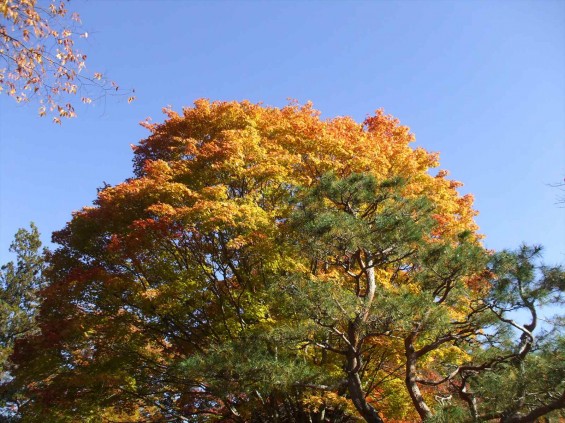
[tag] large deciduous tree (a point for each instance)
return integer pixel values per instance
(264, 265)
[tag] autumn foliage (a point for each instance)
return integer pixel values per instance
(41, 61)
(263, 264)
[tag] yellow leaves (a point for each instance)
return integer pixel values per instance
(162, 209)
(459, 313)
(314, 402)
(4, 9)
(450, 354)
(328, 399)
(260, 313)
(246, 221)
(202, 237)
(158, 170)
(215, 193)
(382, 277)
(150, 293)
(393, 397)
(238, 242)
(333, 276)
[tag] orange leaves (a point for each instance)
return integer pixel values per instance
(244, 149)
(162, 210)
(192, 252)
(158, 169)
(150, 293)
(291, 138)
(480, 282)
(38, 48)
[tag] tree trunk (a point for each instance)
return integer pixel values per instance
(411, 384)
(358, 397)
(354, 384)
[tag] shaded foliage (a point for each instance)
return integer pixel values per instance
(20, 282)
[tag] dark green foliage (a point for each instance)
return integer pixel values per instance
(525, 378)
(20, 283)
(342, 216)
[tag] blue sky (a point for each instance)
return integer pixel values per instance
(481, 82)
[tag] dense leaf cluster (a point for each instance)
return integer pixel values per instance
(264, 265)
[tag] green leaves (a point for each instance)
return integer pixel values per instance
(339, 217)
(19, 286)
(20, 283)
(521, 282)
(264, 265)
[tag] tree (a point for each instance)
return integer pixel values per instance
(20, 283)
(525, 379)
(40, 59)
(422, 284)
(263, 265)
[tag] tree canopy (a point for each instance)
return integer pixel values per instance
(265, 265)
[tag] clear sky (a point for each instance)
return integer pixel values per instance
(482, 82)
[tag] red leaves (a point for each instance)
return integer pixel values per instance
(181, 256)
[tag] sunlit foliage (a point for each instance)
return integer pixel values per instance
(39, 59)
(266, 265)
